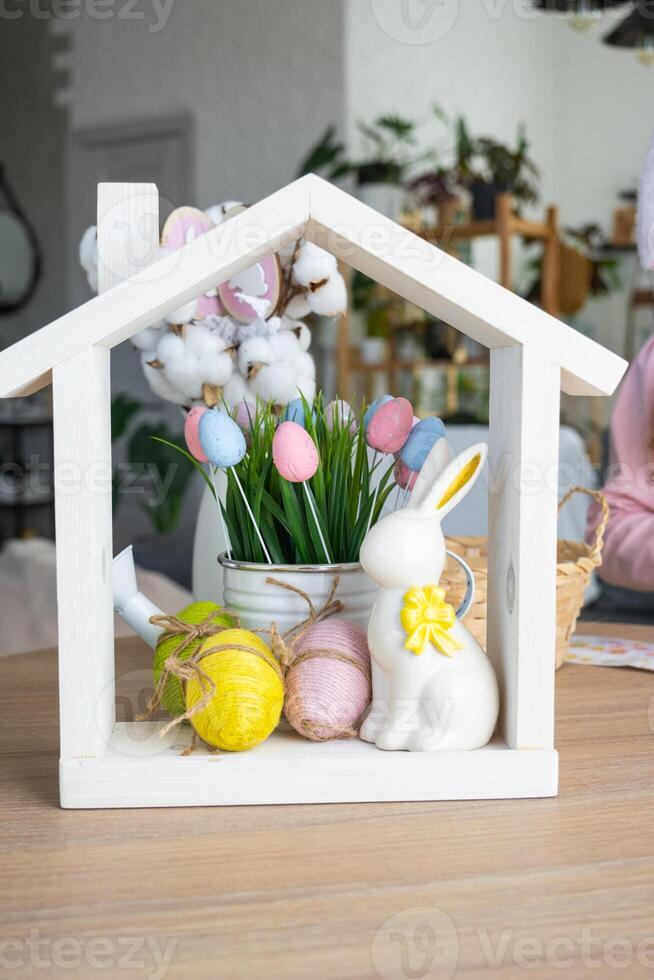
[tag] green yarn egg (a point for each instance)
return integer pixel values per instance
(173, 693)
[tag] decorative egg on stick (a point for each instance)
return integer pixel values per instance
(387, 432)
(296, 458)
(295, 411)
(405, 478)
(224, 445)
(192, 437)
(373, 408)
(342, 412)
(245, 413)
(419, 444)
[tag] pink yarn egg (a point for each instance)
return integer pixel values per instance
(191, 434)
(294, 453)
(325, 697)
(404, 477)
(390, 426)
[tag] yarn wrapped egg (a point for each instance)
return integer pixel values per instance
(246, 705)
(197, 613)
(328, 684)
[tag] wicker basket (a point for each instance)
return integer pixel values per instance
(576, 561)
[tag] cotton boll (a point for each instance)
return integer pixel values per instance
(183, 314)
(286, 345)
(252, 353)
(221, 212)
(149, 338)
(88, 256)
(306, 384)
(298, 307)
(330, 299)
(313, 265)
(300, 330)
(236, 390)
(286, 254)
(197, 358)
(158, 383)
(280, 383)
(277, 368)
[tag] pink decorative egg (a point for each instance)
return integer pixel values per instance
(294, 453)
(404, 477)
(192, 435)
(254, 292)
(390, 426)
(183, 226)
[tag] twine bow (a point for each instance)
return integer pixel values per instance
(427, 618)
(184, 668)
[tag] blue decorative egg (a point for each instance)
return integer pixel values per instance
(422, 437)
(370, 411)
(222, 440)
(294, 412)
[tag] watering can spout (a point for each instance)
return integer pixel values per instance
(130, 604)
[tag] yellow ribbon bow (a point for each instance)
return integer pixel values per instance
(427, 618)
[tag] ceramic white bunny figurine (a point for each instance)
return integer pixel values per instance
(433, 686)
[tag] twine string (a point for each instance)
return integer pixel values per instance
(188, 633)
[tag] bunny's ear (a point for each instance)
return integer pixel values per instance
(454, 482)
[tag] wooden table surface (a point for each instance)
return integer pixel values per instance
(535, 888)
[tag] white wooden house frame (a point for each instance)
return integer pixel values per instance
(533, 356)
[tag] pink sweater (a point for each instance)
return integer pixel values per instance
(629, 542)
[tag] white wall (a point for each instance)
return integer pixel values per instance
(605, 122)
(261, 77)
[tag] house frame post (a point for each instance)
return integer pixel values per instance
(523, 492)
(128, 231)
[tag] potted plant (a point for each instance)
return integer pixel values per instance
(311, 530)
(485, 167)
(502, 169)
(326, 158)
(380, 176)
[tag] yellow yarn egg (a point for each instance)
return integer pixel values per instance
(247, 704)
(173, 693)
